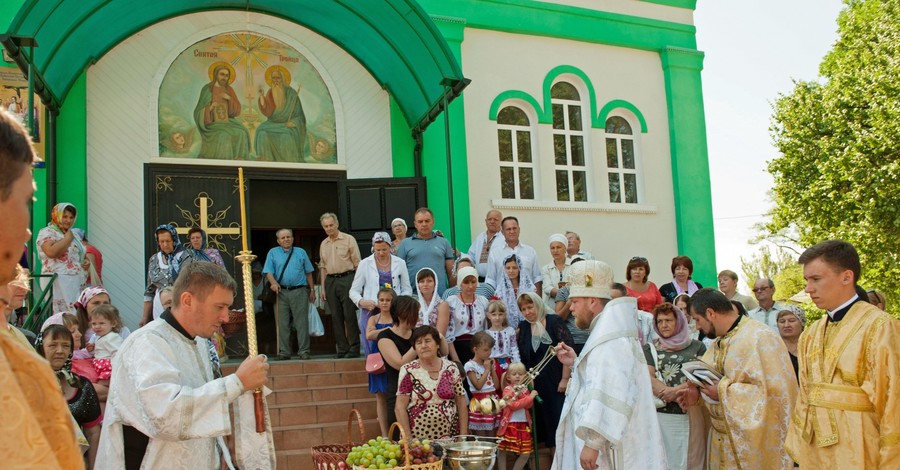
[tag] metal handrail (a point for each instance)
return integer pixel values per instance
(42, 306)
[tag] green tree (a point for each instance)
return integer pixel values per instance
(838, 175)
(766, 264)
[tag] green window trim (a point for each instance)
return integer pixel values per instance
(689, 4)
(617, 104)
(509, 95)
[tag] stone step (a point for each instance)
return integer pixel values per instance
(319, 412)
(322, 393)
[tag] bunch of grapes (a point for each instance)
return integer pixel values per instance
(380, 453)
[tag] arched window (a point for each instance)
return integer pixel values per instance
(515, 152)
(568, 143)
(620, 161)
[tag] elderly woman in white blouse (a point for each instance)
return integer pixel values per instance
(381, 269)
(554, 272)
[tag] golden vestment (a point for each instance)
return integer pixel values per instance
(35, 423)
(848, 412)
(756, 395)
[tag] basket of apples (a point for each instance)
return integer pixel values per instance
(381, 453)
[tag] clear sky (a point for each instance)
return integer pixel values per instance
(754, 49)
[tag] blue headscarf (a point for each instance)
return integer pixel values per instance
(200, 253)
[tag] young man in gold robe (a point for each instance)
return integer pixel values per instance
(848, 412)
(750, 407)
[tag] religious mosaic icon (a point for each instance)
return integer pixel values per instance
(244, 96)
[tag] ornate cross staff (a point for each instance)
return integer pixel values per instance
(246, 257)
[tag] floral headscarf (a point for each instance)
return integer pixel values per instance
(538, 330)
(56, 215)
(682, 336)
(87, 294)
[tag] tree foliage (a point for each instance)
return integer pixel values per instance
(766, 264)
(838, 175)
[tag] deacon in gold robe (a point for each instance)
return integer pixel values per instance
(750, 407)
(848, 412)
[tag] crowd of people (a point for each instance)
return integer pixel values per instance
(671, 377)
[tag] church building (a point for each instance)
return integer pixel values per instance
(572, 115)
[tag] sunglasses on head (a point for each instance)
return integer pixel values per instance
(638, 258)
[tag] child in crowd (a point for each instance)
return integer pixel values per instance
(378, 322)
(106, 323)
(482, 378)
(506, 347)
(166, 297)
(515, 420)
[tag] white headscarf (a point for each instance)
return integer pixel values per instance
(538, 330)
(425, 308)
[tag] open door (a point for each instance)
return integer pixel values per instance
(366, 206)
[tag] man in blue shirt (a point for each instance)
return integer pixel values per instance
(293, 286)
(425, 249)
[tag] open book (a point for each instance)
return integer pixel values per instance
(700, 373)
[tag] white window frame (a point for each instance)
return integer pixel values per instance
(621, 171)
(515, 164)
(567, 131)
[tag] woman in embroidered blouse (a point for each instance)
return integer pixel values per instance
(639, 286)
(463, 315)
(162, 269)
(682, 268)
(431, 401)
(685, 446)
(62, 253)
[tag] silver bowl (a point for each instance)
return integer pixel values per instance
(471, 455)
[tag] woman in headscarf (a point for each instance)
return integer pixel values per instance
(199, 249)
(162, 269)
(791, 322)
(429, 301)
(463, 315)
(537, 334)
(514, 282)
(55, 344)
(398, 228)
(381, 269)
(685, 447)
(62, 253)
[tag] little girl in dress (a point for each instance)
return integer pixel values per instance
(515, 420)
(106, 323)
(482, 379)
(506, 346)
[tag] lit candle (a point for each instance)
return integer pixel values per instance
(243, 208)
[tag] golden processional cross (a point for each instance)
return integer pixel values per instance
(204, 221)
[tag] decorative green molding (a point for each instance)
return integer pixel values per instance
(536, 18)
(689, 4)
(434, 153)
(544, 117)
(690, 163)
(551, 77)
(614, 104)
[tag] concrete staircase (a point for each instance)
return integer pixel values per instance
(311, 403)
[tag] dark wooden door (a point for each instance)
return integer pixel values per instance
(366, 206)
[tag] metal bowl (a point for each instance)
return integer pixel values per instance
(471, 455)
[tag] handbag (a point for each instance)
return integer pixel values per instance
(375, 363)
(268, 295)
(656, 400)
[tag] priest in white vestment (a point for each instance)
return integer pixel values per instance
(165, 409)
(609, 419)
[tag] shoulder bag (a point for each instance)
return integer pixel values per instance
(268, 295)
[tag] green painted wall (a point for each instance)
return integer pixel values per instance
(690, 162)
(402, 143)
(71, 153)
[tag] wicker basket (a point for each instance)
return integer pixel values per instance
(439, 465)
(327, 456)
(237, 320)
